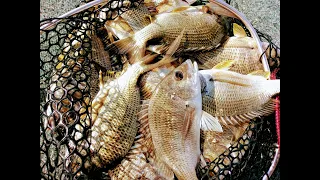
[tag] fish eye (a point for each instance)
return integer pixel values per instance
(178, 75)
(211, 79)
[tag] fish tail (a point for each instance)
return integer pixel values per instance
(123, 45)
(129, 46)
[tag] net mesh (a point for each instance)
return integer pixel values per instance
(69, 70)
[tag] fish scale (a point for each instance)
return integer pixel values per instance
(115, 109)
(175, 127)
(115, 125)
(243, 50)
(236, 98)
(137, 17)
(201, 31)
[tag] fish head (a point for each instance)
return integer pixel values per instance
(179, 112)
(183, 82)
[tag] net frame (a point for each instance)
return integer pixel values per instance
(62, 150)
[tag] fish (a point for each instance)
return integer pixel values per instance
(166, 26)
(235, 98)
(98, 54)
(137, 18)
(115, 108)
(163, 6)
(134, 165)
(215, 143)
(240, 48)
(118, 28)
(100, 60)
(236, 152)
(151, 79)
(172, 118)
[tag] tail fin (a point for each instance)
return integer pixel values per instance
(128, 45)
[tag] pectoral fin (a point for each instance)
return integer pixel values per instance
(210, 123)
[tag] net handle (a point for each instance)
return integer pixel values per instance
(71, 12)
(251, 29)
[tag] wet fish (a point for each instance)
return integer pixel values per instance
(115, 108)
(162, 6)
(99, 54)
(135, 164)
(173, 117)
(202, 31)
(151, 79)
(240, 48)
(101, 60)
(215, 143)
(234, 98)
(138, 17)
(119, 28)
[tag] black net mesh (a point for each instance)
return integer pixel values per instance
(68, 81)
(69, 71)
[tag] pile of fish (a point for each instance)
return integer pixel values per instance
(187, 90)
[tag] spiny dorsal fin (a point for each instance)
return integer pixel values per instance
(224, 65)
(265, 74)
(210, 123)
(238, 30)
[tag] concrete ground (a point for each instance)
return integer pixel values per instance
(264, 15)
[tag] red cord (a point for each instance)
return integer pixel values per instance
(277, 109)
